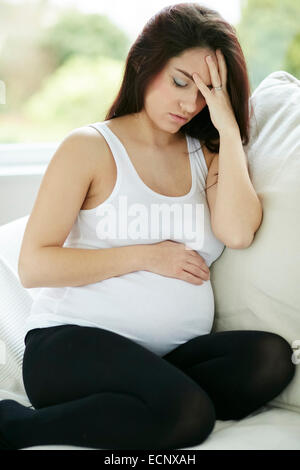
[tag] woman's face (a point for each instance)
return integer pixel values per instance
(171, 91)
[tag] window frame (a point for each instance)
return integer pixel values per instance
(26, 158)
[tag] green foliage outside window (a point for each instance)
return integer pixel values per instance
(62, 68)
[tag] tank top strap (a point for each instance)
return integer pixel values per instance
(118, 150)
(112, 141)
(123, 162)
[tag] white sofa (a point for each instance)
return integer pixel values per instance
(256, 288)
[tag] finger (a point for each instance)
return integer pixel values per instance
(188, 277)
(195, 257)
(197, 271)
(205, 269)
(215, 78)
(201, 85)
(222, 66)
(201, 266)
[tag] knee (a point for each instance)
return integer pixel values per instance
(193, 420)
(202, 418)
(276, 357)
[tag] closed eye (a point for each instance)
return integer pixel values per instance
(178, 84)
(183, 86)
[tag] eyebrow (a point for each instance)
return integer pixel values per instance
(185, 73)
(188, 75)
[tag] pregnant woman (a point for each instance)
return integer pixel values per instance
(119, 350)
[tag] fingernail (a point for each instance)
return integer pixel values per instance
(208, 57)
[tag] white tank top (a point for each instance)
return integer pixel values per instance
(155, 311)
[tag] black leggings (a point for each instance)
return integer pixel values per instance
(94, 388)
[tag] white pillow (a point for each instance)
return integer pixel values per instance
(11, 237)
(258, 288)
(15, 304)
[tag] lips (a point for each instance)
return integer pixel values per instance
(178, 117)
(182, 117)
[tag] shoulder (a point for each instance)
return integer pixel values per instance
(90, 144)
(87, 135)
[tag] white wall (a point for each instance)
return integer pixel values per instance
(17, 195)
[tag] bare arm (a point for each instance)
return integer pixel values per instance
(43, 261)
(236, 211)
(63, 266)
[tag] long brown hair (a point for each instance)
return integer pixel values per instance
(168, 34)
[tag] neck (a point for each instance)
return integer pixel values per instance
(147, 132)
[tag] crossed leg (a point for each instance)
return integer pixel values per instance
(241, 370)
(94, 388)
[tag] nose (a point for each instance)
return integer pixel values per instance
(191, 103)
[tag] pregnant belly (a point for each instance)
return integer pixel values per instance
(156, 311)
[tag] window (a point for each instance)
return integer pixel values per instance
(61, 68)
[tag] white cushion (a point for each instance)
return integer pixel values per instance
(15, 305)
(258, 288)
(11, 236)
(271, 429)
